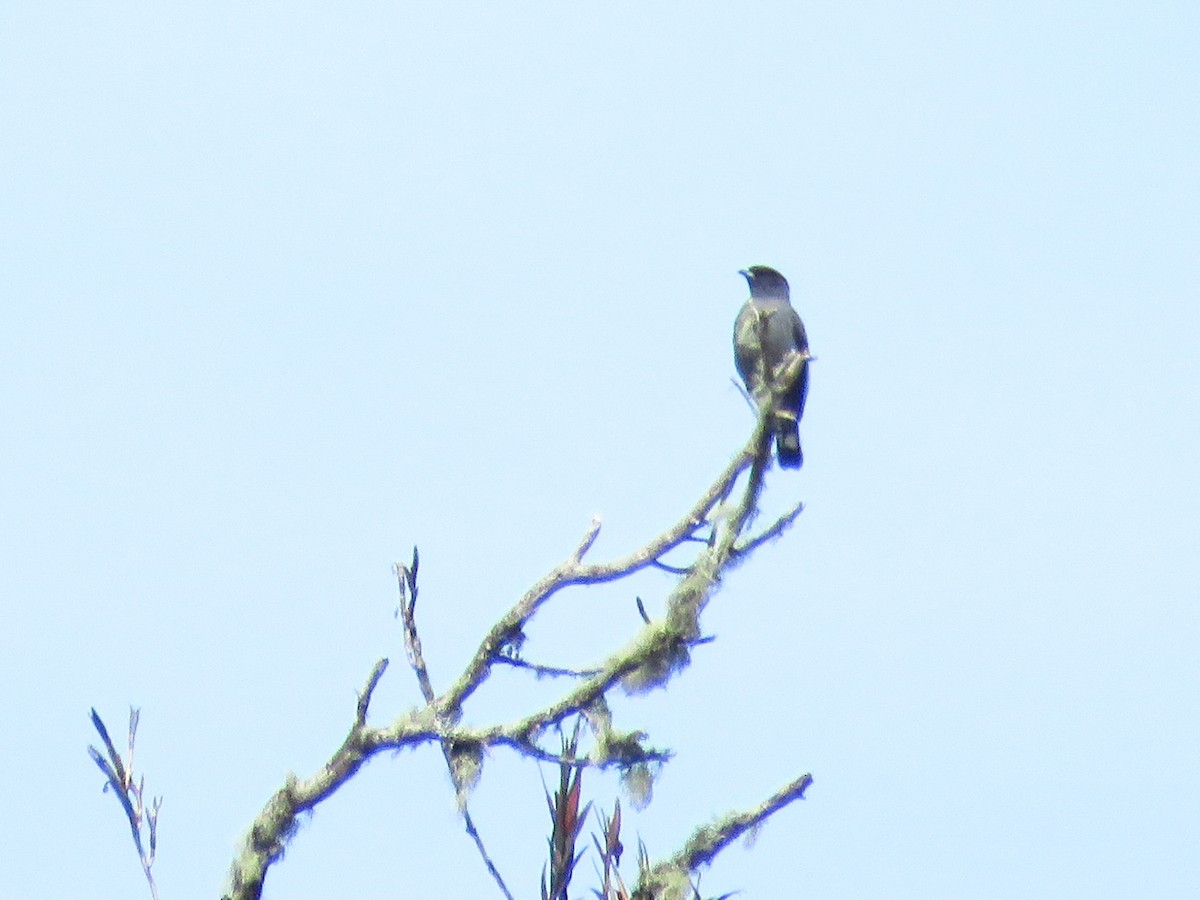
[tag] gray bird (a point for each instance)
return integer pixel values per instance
(771, 352)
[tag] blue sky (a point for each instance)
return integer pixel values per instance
(288, 289)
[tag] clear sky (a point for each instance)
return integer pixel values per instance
(288, 288)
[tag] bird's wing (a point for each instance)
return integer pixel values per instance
(802, 389)
(747, 345)
(801, 341)
(798, 334)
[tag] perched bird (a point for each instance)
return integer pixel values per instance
(771, 352)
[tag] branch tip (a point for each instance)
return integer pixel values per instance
(589, 538)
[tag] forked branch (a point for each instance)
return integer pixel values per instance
(659, 650)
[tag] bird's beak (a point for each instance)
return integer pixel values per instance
(745, 273)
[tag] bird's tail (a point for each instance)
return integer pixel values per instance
(787, 441)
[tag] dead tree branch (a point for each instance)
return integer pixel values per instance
(659, 650)
(673, 878)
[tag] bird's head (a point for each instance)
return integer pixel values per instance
(765, 283)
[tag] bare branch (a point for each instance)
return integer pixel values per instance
(406, 582)
(406, 579)
(469, 823)
(571, 571)
(364, 699)
(673, 570)
(777, 528)
(707, 841)
(588, 539)
(545, 671)
(660, 649)
(528, 748)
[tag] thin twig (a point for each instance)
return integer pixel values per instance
(588, 539)
(364, 699)
(641, 608)
(530, 749)
(545, 671)
(406, 577)
(777, 528)
(571, 571)
(745, 395)
(406, 582)
(469, 823)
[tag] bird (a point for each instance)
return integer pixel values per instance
(770, 349)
